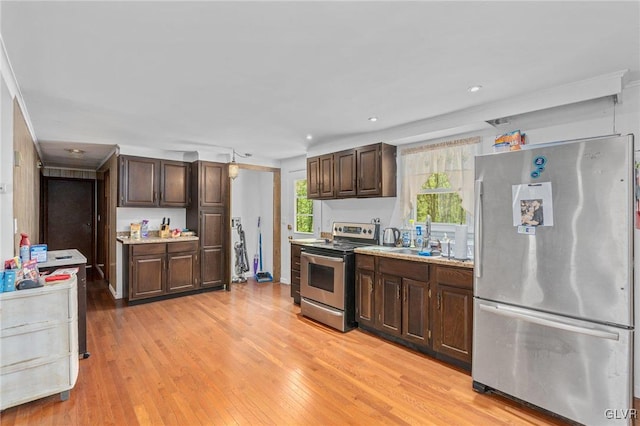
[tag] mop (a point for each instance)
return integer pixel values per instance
(261, 276)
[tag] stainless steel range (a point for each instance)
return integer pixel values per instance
(327, 274)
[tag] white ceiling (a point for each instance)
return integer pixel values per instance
(260, 76)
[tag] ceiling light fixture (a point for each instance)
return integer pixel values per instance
(309, 137)
(474, 89)
(75, 152)
(372, 119)
(233, 166)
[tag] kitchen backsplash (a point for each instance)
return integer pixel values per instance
(128, 215)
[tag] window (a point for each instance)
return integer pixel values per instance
(437, 199)
(303, 208)
(437, 179)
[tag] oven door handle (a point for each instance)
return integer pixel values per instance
(327, 258)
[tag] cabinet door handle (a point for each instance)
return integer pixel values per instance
(439, 300)
(160, 195)
(398, 297)
(155, 195)
(371, 286)
(405, 294)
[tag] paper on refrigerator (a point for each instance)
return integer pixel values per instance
(532, 204)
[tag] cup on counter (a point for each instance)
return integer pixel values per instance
(9, 281)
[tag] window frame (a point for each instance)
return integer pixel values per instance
(295, 208)
(439, 229)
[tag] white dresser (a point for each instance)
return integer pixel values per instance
(39, 342)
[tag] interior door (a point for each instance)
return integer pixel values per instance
(69, 215)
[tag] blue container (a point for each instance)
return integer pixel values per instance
(9, 281)
(1, 281)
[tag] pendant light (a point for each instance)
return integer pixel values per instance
(233, 167)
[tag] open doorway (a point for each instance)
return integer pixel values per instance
(255, 193)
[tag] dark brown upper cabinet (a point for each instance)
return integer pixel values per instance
(210, 182)
(174, 183)
(367, 171)
(345, 176)
(320, 177)
(150, 182)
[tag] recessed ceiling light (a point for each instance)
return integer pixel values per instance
(372, 119)
(75, 150)
(474, 89)
(309, 137)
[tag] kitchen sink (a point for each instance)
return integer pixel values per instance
(381, 248)
(403, 250)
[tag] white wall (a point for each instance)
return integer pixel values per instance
(252, 197)
(125, 216)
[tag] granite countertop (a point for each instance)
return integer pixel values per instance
(148, 240)
(409, 254)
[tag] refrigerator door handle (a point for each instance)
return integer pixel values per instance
(517, 314)
(477, 225)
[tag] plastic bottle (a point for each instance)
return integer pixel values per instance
(405, 234)
(412, 230)
(446, 245)
(25, 247)
(419, 237)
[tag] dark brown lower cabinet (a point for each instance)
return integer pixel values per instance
(415, 311)
(212, 267)
(147, 270)
(295, 273)
(212, 254)
(453, 312)
(365, 290)
(182, 267)
(158, 269)
(389, 304)
(427, 307)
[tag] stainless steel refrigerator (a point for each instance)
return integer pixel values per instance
(553, 287)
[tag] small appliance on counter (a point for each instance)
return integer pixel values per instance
(390, 236)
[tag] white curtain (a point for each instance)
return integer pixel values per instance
(455, 158)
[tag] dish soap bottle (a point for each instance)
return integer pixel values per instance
(25, 246)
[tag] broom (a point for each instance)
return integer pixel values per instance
(261, 276)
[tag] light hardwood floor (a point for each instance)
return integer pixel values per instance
(248, 357)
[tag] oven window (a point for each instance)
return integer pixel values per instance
(321, 277)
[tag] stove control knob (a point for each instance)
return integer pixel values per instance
(369, 232)
(340, 229)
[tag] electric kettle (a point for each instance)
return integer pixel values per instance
(390, 236)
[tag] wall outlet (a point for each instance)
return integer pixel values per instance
(235, 221)
(3, 188)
